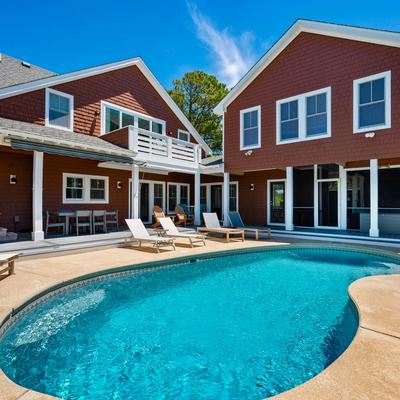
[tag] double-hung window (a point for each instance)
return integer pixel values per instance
(371, 103)
(85, 189)
(289, 122)
(116, 117)
(250, 128)
(59, 109)
(304, 117)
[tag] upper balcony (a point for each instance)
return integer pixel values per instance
(157, 149)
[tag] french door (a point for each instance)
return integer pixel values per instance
(151, 193)
(276, 202)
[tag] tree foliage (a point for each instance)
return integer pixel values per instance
(197, 93)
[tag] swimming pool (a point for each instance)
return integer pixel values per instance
(245, 325)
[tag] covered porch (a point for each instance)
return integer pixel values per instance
(357, 199)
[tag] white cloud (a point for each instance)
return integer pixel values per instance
(232, 56)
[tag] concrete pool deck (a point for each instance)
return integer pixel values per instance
(368, 369)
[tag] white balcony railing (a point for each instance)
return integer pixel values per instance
(157, 145)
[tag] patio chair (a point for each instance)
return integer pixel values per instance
(237, 222)
(140, 234)
(212, 226)
(8, 259)
(169, 229)
(53, 220)
(99, 219)
(159, 213)
(182, 216)
(82, 219)
(112, 219)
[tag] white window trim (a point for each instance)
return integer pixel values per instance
(388, 106)
(135, 114)
(178, 193)
(302, 116)
(47, 109)
(242, 112)
(86, 189)
(185, 133)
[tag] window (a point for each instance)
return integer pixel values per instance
(304, 117)
(59, 109)
(85, 189)
(233, 197)
(250, 128)
(74, 188)
(184, 195)
(371, 101)
(115, 117)
(290, 120)
(159, 195)
(317, 116)
(183, 135)
(97, 189)
(178, 193)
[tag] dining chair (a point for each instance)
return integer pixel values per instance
(54, 221)
(112, 219)
(99, 220)
(83, 219)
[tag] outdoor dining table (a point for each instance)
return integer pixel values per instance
(67, 214)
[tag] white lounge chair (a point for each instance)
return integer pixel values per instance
(169, 229)
(140, 234)
(213, 226)
(8, 259)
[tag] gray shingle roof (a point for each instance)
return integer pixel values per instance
(60, 134)
(14, 72)
(212, 160)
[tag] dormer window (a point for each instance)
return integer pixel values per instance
(59, 109)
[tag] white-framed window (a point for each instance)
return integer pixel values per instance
(372, 102)
(208, 202)
(85, 189)
(114, 117)
(250, 128)
(59, 110)
(183, 135)
(177, 193)
(304, 117)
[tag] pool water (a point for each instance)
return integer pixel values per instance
(241, 326)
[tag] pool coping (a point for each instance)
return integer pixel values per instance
(323, 385)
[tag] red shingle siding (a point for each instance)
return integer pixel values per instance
(16, 200)
(126, 87)
(313, 62)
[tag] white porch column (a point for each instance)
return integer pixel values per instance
(225, 199)
(37, 197)
(289, 199)
(342, 197)
(374, 227)
(135, 191)
(197, 210)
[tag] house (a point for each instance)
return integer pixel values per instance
(102, 138)
(312, 132)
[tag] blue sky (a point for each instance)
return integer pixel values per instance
(173, 37)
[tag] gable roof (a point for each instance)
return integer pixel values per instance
(101, 69)
(380, 37)
(14, 71)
